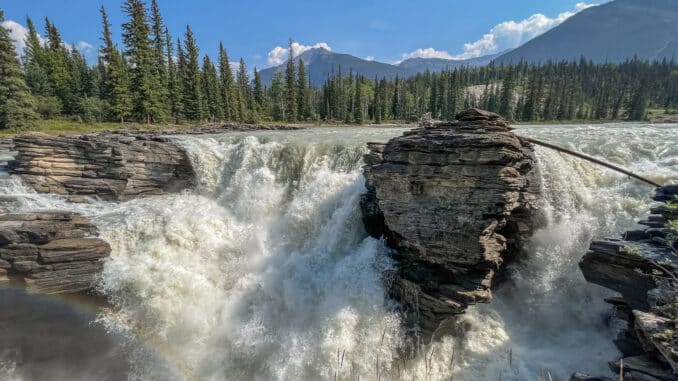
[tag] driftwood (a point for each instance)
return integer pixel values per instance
(593, 160)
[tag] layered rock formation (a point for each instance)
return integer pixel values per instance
(455, 200)
(108, 166)
(50, 252)
(643, 268)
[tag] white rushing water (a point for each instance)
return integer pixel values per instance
(264, 271)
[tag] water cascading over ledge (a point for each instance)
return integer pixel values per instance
(456, 201)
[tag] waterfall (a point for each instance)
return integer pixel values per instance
(264, 271)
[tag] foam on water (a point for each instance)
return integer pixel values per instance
(264, 271)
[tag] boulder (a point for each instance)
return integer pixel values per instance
(50, 252)
(455, 200)
(108, 166)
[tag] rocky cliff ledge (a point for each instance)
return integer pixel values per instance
(109, 166)
(643, 268)
(455, 200)
(50, 252)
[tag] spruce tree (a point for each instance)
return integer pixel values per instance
(17, 107)
(244, 93)
(192, 88)
(210, 83)
(302, 92)
(173, 87)
(506, 99)
(34, 62)
(291, 89)
(258, 91)
(159, 45)
(358, 114)
(115, 86)
(144, 82)
(227, 88)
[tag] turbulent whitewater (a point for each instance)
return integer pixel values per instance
(264, 270)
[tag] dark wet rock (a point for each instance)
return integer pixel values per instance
(103, 165)
(585, 377)
(643, 268)
(50, 252)
(455, 200)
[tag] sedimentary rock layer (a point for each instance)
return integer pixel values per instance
(50, 252)
(455, 200)
(109, 166)
(643, 268)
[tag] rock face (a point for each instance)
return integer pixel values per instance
(50, 252)
(643, 268)
(455, 201)
(109, 166)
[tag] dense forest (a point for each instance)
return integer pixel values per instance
(154, 79)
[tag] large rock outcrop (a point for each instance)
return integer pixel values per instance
(108, 166)
(643, 268)
(50, 252)
(454, 200)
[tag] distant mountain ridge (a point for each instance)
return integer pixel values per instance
(611, 32)
(421, 65)
(321, 63)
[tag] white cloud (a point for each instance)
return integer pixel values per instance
(506, 35)
(511, 34)
(18, 34)
(85, 47)
(279, 54)
(426, 53)
(369, 58)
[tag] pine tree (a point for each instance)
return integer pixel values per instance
(210, 83)
(17, 107)
(115, 86)
(192, 89)
(227, 88)
(173, 88)
(506, 99)
(358, 114)
(56, 66)
(302, 92)
(258, 91)
(34, 62)
(244, 93)
(291, 89)
(161, 61)
(144, 82)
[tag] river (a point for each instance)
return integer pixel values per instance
(264, 270)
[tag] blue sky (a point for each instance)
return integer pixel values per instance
(387, 31)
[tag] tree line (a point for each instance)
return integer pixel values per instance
(155, 79)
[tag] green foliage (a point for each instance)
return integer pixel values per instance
(17, 106)
(291, 87)
(631, 250)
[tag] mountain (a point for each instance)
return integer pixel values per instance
(612, 32)
(320, 63)
(420, 65)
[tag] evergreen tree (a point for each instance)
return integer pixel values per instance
(210, 82)
(34, 62)
(161, 61)
(358, 114)
(145, 85)
(115, 86)
(244, 93)
(174, 100)
(227, 88)
(291, 89)
(303, 110)
(506, 100)
(258, 91)
(192, 89)
(17, 107)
